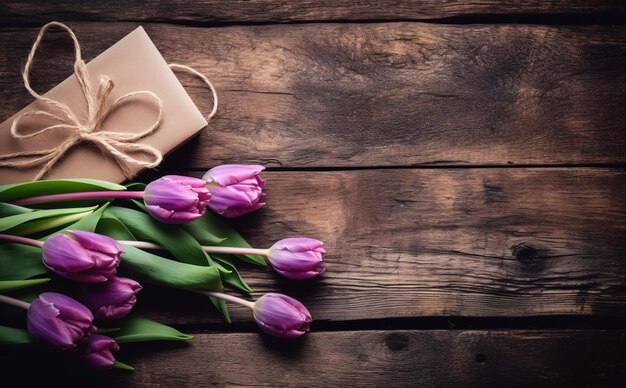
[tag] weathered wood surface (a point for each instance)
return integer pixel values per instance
(442, 242)
(490, 246)
(392, 94)
(434, 358)
(212, 11)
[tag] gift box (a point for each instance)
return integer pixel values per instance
(132, 65)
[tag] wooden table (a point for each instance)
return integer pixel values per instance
(463, 161)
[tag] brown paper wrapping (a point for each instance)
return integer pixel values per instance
(134, 64)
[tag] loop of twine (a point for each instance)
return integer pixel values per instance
(116, 144)
(192, 71)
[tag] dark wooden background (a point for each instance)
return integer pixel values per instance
(463, 161)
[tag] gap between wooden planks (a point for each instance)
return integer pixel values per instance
(511, 358)
(379, 94)
(275, 11)
(440, 242)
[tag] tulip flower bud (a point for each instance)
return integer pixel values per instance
(236, 189)
(111, 300)
(82, 256)
(59, 320)
(281, 316)
(297, 258)
(98, 351)
(175, 199)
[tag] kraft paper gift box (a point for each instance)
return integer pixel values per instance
(133, 64)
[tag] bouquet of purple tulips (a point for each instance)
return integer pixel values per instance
(64, 245)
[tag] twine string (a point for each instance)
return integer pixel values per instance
(192, 71)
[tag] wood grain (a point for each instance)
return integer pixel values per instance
(364, 100)
(433, 358)
(391, 94)
(241, 11)
(440, 242)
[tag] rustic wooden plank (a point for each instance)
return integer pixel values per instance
(238, 11)
(440, 242)
(332, 95)
(542, 358)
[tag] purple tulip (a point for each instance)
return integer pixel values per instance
(59, 320)
(281, 316)
(82, 256)
(98, 351)
(111, 300)
(175, 199)
(298, 258)
(236, 189)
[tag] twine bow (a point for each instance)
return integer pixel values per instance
(116, 144)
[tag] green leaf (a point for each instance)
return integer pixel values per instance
(222, 308)
(44, 224)
(18, 219)
(213, 225)
(19, 261)
(12, 285)
(53, 186)
(13, 336)
(8, 209)
(169, 272)
(120, 365)
(139, 329)
(172, 237)
(201, 235)
(89, 222)
(202, 232)
(136, 186)
(81, 221)
(231, 275)
(140, 205)
(114, 228)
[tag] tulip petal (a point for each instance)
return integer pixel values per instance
(298, 258)
(176, 199)
(281, 316)
(82, 256)
(43, 324)
(302, 275)
(61, 252)
(96, 242)
(159, 212)
(170, 195)
(98, 351)
(59, 320)
(111, 300)
(300, 244)
(235, 189)
(229, 174)
(69, 308)
(184, 180)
